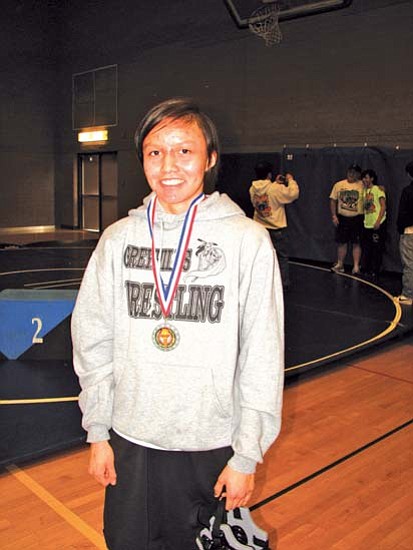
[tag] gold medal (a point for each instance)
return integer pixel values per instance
(165, 337)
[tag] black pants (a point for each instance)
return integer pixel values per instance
(279, 238)
(162, 499)
(373, 247)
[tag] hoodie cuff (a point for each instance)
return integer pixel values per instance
(97, 433)
(242, 464)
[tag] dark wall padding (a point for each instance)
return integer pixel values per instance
(316, 170)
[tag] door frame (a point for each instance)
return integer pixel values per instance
(80, 193)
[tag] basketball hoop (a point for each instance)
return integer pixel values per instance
(264, 23)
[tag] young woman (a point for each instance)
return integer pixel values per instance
(178, 345)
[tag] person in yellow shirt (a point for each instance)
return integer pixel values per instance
(269, 199)
(347, 214)
(374, 234)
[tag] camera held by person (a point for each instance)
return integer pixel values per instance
(283, 179)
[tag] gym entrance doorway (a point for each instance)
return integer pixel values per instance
(98, 190)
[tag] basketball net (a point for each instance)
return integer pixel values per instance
(264, 23)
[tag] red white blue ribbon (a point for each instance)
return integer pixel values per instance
(166, 292)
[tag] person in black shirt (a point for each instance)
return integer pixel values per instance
(405, 228)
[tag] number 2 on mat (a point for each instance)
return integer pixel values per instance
(39, 323)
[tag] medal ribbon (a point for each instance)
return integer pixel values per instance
(166, 292)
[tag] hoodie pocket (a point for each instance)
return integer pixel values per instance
(172, 406)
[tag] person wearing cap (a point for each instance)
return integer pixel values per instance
(347, 215)
(405, 228)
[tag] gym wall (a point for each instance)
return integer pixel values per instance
(339, 78)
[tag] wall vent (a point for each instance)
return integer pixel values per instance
(95, 98)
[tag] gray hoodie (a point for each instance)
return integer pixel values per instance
(222, 383)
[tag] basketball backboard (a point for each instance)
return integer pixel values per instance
(242, 11)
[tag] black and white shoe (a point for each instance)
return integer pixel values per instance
(237, 532)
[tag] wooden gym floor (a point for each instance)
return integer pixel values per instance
(340, 476)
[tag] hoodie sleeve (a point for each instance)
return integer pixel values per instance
(285, 193)
(260, 373)
(92, 335)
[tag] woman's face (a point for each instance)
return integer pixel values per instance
(175, 159)
(368, 180)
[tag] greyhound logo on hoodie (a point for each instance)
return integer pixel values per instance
(211, 261)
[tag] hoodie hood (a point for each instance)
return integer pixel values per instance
(261, 185)
(215, 206)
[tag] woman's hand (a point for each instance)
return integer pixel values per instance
(238, 487)
(102, 463)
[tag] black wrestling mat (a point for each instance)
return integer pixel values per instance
(328, 316)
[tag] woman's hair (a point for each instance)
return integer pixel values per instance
(370, 173)
(178, 109)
